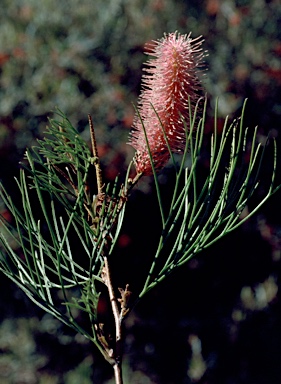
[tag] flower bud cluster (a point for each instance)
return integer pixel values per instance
(170, 87)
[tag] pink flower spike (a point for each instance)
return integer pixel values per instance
(168, 84)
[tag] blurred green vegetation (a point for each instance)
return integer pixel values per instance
(218, 320)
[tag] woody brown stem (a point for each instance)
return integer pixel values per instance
(96, 156)
(118, 329)
(118, 374)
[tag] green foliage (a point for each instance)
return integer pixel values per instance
(59, 170)
(203, 211)
(65, 232)
(88, 55)
(57, 206)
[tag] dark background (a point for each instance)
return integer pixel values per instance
(218, 319)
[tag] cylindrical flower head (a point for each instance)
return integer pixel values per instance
(168, 84)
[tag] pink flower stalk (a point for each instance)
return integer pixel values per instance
(168, 84)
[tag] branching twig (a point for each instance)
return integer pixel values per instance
(96, 160)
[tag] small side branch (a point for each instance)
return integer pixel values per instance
(124, 301)
(96, 160)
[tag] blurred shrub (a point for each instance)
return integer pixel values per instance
(243, 38)
(85, 57)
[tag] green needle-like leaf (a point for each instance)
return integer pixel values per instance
(203, 212)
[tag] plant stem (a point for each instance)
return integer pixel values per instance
(118, 373)
(118, 328)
